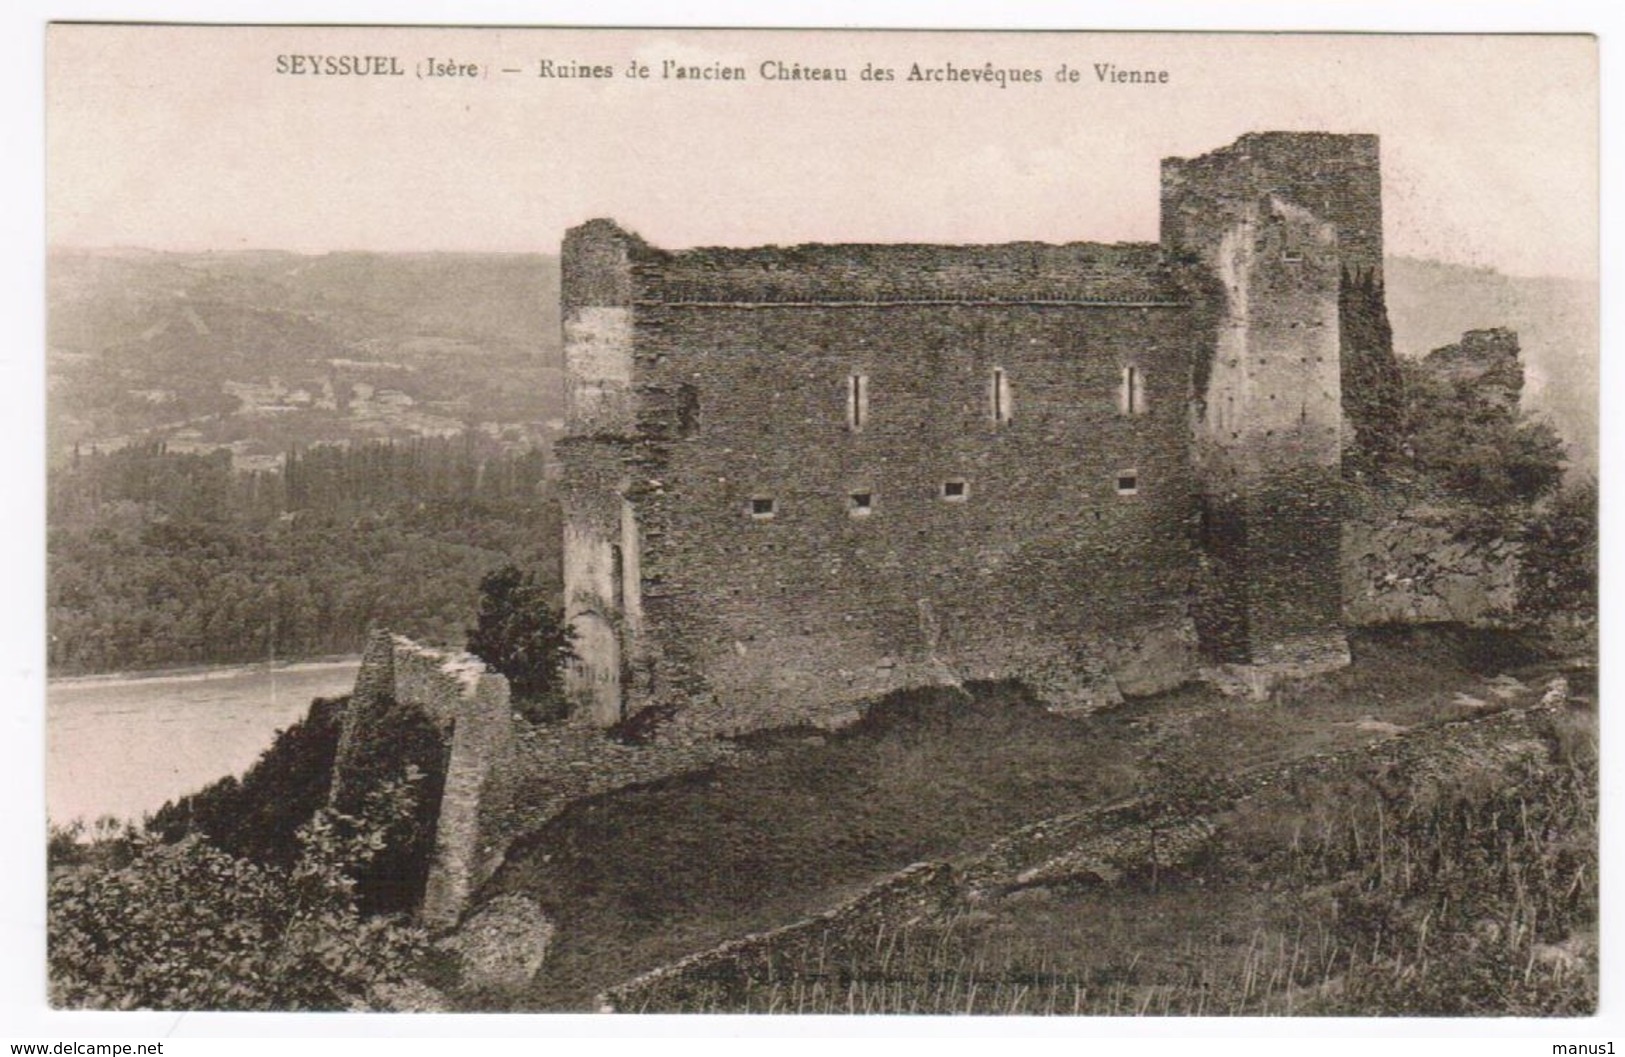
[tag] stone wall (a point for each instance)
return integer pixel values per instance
(859, 468)
(980, 548)
(554, 765)
(1335, 177)
(1419, 564)
(470, 707)
(597, 319)
(600, 414)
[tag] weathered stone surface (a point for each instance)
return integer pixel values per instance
(374, 689)
(470, 707)
(801, 613)
(1101, 845)
(1417, 565)
(501, 945)
(556, 764)
(1271, 224)
(1284, 661)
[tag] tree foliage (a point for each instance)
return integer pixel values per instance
(258, 816)
(189, 926)
(387, 737)
(521, 635)
(160, 558)
(1477, 450)
(1558, 572)
(1373, 387)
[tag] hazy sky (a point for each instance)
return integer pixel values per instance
(167, 137)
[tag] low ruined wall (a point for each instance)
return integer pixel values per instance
(554, 765)
(1100, 844)
(469, 705)
(1416, 565)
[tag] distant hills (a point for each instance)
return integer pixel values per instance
(262, 350)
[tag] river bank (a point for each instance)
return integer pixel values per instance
(199, 673)
(122, 744)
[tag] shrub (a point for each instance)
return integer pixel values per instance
(1475, 451)
(260, 816)
(391, 738)
(189, 926)
(521, 635)
(1559, 568)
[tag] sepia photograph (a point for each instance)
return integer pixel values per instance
(821, 522)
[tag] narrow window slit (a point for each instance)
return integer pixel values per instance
(999, 396)
(857, 401)
(1131, 397)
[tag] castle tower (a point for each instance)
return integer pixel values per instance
(1269, 230)
(602, 583)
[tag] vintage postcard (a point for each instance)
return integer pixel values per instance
(822, 522)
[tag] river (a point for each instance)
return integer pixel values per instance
(121, 746)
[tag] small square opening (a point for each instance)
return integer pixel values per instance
(955, 490)
(860, 504)
(763, 507)
(1128, 482)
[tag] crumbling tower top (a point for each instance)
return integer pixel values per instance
(1335, 177)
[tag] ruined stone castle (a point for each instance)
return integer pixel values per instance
(797, 478)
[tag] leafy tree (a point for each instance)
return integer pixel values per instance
(1558, 572)
(1373, 387)
(163, 558)
(188, 926)
(259, 816)
(391, 737)
(522, 636)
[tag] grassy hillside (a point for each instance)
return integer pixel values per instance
(640, 877)
(1451, 873)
